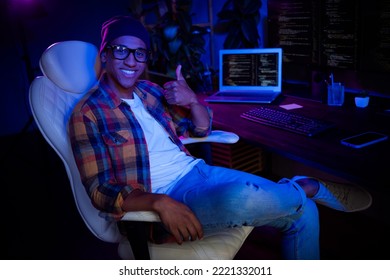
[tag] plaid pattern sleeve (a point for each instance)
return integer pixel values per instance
(179, 118)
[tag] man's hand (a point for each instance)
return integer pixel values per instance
(177, 217)
(178, 92)
(179, 220)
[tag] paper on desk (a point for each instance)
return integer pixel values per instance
(291, 106)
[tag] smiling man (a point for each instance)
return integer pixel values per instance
(125, 138)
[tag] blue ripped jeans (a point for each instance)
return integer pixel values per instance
(222, 197)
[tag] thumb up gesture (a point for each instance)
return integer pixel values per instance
(177, 92)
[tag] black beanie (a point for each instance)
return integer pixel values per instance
(119, 26)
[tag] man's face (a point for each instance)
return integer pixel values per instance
(122, 74)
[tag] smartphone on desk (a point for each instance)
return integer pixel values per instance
(364, 139)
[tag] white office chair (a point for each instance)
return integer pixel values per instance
(71, 69)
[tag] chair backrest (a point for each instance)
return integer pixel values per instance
(71, 69)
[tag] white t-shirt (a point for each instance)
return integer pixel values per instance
(167, 162)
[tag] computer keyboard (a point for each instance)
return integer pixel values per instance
(287, 120)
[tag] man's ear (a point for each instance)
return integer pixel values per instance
(103, 56)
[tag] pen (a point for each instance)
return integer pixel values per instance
(331, 79)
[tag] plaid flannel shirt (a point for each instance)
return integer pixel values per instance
(109, 145)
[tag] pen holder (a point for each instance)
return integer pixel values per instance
(336, 94)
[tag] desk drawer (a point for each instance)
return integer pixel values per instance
(241, 156)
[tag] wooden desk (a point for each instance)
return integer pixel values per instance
(369, 166)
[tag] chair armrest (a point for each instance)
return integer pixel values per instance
(217, 136)
(134, 223)
(141, 216)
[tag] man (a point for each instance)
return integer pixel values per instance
(125, 140)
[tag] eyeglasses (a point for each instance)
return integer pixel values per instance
(122, 52)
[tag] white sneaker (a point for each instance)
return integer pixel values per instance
(340, 196)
